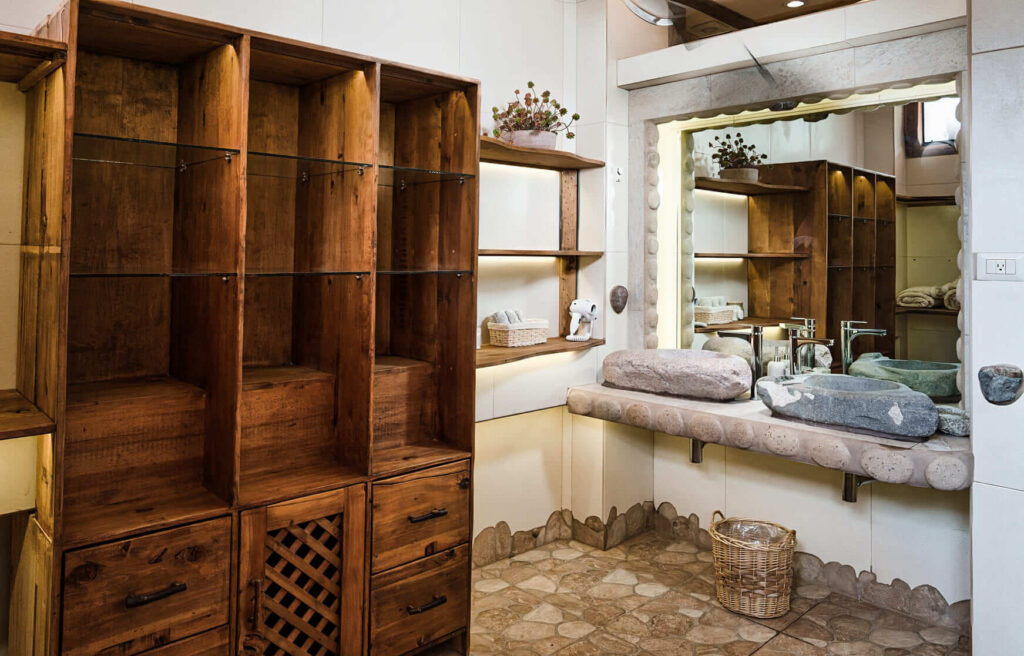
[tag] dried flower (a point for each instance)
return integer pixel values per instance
(736, 154)
(534, 111)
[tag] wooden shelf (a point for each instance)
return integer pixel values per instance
(417, 455)
(738, 325)
(270, 486)
(753, 256)
(932, 310)
(20, 418)
(498, 152)
(495, 252)
(926, 201)
(746, 188)
(27, 59)
(491, 356)
(87, 523)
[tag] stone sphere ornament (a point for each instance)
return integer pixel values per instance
(618, 298)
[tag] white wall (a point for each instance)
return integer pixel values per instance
(995, 176)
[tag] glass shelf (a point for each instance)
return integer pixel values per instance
(424, 272)
(295, 167)
(153, 274)
(402, 177)
(303, 274)
(125, 151)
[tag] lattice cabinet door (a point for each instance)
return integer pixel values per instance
(302, 576)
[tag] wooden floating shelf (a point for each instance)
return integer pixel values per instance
(753, 256)
(746, 188)
(739, 325)
(926, 201)
(27, 59)
(20, 418)
(491, 356)
(496, 151)
(932, 310)
(496, 252)
(417, 455)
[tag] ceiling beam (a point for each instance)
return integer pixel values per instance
(720, 13)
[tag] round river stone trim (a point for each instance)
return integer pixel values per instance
(919, 466)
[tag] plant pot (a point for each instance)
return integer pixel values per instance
(532, 138)
(738, 175)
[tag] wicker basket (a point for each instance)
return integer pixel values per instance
(752, 577)
(526, 333)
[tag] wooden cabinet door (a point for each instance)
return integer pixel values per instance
(302, 576)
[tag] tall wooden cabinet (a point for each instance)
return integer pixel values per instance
(258, 285)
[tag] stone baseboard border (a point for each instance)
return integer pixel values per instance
(497, 542)
(924, 602)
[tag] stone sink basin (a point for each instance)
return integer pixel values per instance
(936, 379)
(679, 372)
(863, 404)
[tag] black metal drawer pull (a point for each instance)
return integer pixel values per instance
(134, 600)
(433, 603)
(433, 514)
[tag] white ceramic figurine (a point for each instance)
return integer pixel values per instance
(581, 310)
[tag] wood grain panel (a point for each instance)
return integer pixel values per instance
(413, 605)
(33, 608)
(136, 594)
(404, 401)
(420, 514)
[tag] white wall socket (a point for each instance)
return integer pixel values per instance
(999, 266)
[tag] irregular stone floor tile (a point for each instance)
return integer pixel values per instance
(655, 596)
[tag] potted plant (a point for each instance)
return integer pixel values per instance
(533, 121)
(737, 160)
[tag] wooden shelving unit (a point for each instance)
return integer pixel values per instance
(925, 201)
(739, 325)
(568, 254)
(491, 356)
(259, 305)
(821, 244)
(747, 188)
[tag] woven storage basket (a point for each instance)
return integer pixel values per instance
(710, 315)
(753, 577)
(526, 333)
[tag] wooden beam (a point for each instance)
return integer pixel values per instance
(42, 70)
(720, 13)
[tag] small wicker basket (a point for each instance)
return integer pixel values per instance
(525, 333)
(752, 576)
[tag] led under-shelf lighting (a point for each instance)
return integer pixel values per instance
(793, 4)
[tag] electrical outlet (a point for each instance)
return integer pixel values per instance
(999, 266)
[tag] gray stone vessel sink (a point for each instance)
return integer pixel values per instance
(936, 379)
(879, 406)
(679, 372)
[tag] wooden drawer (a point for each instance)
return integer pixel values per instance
(211, 643)
(136, 594)
(420, 514)
(418, 603)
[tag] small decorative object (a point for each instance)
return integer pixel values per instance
(534, 120)
(582, 310)
(737, 159)
(618, 298)
(509, 328)
(1001, 384)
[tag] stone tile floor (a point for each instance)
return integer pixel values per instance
(656, 596)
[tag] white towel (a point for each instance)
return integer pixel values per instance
(922, 296)
(950, 300)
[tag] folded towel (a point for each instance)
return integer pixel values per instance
(924, 296)
(950, 300)
(949, 285)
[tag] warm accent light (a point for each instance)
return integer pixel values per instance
(793, 4)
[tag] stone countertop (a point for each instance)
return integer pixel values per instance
(942, 462)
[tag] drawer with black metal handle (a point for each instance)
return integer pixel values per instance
(418, 603)
(420, 514)
(136, 594)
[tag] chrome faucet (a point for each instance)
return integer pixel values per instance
(809, 325)
(756, 339)
(849, 333)
(797, 342)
